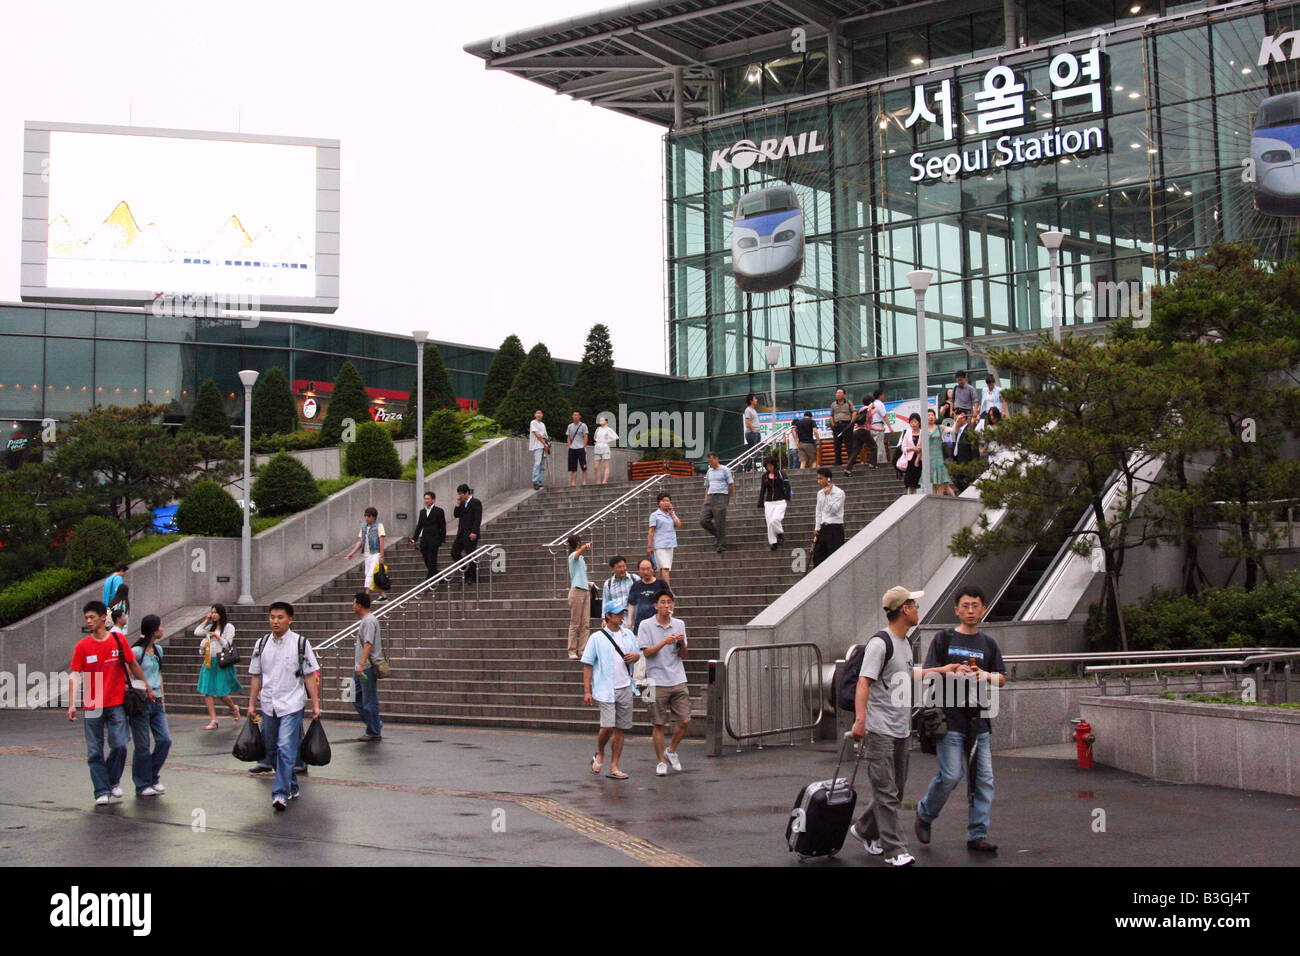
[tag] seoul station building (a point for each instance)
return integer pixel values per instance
(946, 135)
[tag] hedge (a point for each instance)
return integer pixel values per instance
(98, 543)
(40, 590)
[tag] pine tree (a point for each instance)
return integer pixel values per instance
(536, 386)
(438, 390)
(347, 400)
(274, 412)
(372, 455)
(208, 416)
(595, 386)
(501, 374)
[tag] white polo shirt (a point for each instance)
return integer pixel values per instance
(283, 692)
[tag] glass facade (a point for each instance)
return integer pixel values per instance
(1131, 136)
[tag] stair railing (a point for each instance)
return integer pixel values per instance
(755, 454)
(620, 527)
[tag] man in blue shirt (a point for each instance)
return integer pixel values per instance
(112, 584)
(607, 680)
(717, 493)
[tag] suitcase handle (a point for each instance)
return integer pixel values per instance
(839, 759)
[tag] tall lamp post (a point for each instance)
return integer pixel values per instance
(920, 282)
(1052, 240)
(248, 377)
(773, 355)
(420, 337)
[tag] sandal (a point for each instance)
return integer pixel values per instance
(235, 712)
(616, 775)
(596, 763)
(212, 725)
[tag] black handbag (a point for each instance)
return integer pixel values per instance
(229, 656)
(381, 579)
(135, 702)
(315, 749)
(596, 606)
(249, 745)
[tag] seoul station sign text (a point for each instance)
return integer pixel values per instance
(999, 108)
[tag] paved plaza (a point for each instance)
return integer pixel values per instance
(441, 796)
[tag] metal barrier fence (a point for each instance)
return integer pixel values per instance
(1263, 661)
(763, 690)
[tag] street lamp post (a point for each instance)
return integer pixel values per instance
(248, 377)
(420, 336)
(1052, 240)
(773, 355)
(920, 282)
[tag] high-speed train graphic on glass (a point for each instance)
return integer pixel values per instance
(767, 240)
(1275, 149)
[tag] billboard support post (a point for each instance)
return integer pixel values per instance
(420, 336)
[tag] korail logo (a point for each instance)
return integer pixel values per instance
(745, 153)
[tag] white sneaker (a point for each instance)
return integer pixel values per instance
(117, 792)
(148, 792)
(903, 859)
(871, 846)
(661, 769)
(101, 800)
(159, 788)
(673, 760)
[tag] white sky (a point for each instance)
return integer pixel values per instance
(474, 203)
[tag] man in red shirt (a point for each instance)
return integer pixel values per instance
(104, 660)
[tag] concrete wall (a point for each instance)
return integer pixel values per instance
(186, 573)
(1249, 748)
(328, 462)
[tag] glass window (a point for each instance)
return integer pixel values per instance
(164, 374)
(1081, 15)
(908, 50)
(742, 86)
(1043, 21)
(1126, 72)
(1235, 45)
(69, 376)
(869, 58)
(69, 322)
(1187, 138)
(21, 389)
(22, 319)
(119, 373)
(1182, 65)
(783, 78)
(950, 40)
(168, 328)
(1132, 153)
(988, 31)
(119, 325)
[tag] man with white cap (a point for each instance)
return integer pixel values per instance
(884, 718)
(607, 680)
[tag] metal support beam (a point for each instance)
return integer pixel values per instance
(833, 60)
(679, 113)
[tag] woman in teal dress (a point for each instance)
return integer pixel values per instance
(937, 467)
(214, 680)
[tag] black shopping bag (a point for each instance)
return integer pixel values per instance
(315, 749)
(249, 745)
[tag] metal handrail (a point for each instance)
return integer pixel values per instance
(1248, 661)
(606, 511)
(1086, 656)
(798, 691)
(426, 585)
(754, 451)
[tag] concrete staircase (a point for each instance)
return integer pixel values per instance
(494, 654)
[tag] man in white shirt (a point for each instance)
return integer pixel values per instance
(577, 436)
(718, 482)
(282, 667)
(539, 443)
(828, 527)
(607, 680)
(749, 421)
(662, 639)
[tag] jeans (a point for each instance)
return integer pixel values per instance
(365, 698)
(539, 465)
(714, 518)
(146, 766)
(751, 439)
(886, 759)
(283, 736)
(953, 754)
(104, 776)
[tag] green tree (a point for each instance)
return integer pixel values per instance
(1093, 411)
(347, 400)
(208, 509)
(123, 463)
(1231, 324)
(274, 412)
(444, 436)
(438, 390)
(536, 386)
(208, 416)
(373, 455)
(595, 386)
(283, 486)
(501, 374)
(97, 543)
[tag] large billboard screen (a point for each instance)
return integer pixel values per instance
(124, 216)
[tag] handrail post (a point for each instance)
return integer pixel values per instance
(713, 708)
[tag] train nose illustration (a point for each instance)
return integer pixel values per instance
(767, 240)
(1275, 150)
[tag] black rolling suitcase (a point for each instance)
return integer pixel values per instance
(823, 812)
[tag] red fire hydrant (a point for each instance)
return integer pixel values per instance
(1084, 739)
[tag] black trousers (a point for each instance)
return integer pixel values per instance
(430, 554)
(840, 431)
(862, 438)
(829, 539)
(460, 548)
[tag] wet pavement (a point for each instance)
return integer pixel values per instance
(429, 795)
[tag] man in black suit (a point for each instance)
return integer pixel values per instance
(964, 447)
(430, 532)
(470, 512)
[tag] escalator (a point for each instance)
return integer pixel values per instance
(1008, 602)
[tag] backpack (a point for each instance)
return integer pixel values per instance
(302, 645)
(846, 694)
